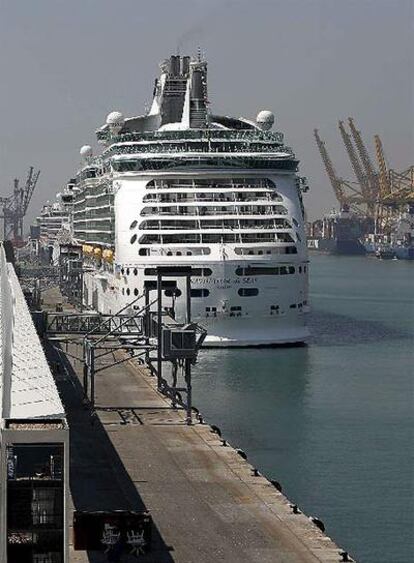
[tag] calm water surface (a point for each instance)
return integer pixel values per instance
(333, 421)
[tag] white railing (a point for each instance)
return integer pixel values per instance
(8, 302)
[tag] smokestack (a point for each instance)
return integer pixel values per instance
(185, 65)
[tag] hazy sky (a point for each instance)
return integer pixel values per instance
(64, 64)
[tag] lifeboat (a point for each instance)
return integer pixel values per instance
(108, 256)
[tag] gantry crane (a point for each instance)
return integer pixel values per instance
(15, 207)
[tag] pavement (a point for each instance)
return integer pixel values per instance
(137, 453)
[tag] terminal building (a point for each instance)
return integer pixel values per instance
(34, 439)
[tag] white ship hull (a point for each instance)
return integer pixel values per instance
(277, 315)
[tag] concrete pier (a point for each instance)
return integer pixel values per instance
(205, 500)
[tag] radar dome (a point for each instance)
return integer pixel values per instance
(115, 118)
(86, 151)
(265, 119)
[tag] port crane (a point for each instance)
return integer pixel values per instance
(347, 193)
(396, 189)
(14, 207)
(371, 174)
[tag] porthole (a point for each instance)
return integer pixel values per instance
(173, 292)
(189, 253)
(128, 291)
(136, 292)
(135, 272)
(127, 272)
(133, 239)
(133, 224)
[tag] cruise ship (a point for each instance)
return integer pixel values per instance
(54, 224)
(184, 186)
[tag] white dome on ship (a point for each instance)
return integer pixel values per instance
(86, 151)
(265, 119)
(115, 118)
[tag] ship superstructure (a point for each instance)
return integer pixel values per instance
(55, 220)
(181, 185)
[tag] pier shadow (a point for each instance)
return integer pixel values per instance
(98, 479)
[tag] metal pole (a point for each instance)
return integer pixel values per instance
(92, 369)
(147, 327)
(159, 329)
(85, 368)
(188, 297)
(189, 391)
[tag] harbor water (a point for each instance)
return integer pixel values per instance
(333, 421)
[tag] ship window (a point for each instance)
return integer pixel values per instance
(122, 271)
(133, 224)
(293, 306)
(128, 271)
(133, 239)
(123, 291)
(291, 250)
(238, 308)
(300, 269)
(200, 293)
(128, 291)
(304, 269)
(201, 272)
(135, 272)
(150, 271)
(189, 253)
(136, 292)
(143, 251)
(248, 291)
(257, 271)
(178, 253)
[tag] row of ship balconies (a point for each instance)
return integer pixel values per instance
(208, 197)
(208, 209)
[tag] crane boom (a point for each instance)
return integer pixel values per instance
(383, 177)
(365, 159)
(355, 162)
(29, 188)
(330, 170)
